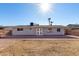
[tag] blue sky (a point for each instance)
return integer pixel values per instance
(23, 14)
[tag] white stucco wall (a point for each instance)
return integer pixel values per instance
(54, 32)
(24, 32)
(33, 32)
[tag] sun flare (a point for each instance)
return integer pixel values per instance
(44, 7)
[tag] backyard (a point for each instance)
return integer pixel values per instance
(39, 47)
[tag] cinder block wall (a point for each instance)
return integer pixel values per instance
(72, 32)
(75, 32)
(4, 33)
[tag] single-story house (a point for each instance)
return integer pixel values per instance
(36, 30)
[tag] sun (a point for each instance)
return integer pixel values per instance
(45, 7)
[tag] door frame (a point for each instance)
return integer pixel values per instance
(39, 31)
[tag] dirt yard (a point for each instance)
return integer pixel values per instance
(45, 47)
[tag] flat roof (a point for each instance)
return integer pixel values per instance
(28, 26)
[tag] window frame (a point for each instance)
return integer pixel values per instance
(20, 29)
(58, 30)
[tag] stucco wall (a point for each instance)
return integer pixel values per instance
(33, 32)
(24, 32)
(54, 32)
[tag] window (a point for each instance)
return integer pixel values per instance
(19, 29)
(49, 29)
(30, 28)
(58, 29)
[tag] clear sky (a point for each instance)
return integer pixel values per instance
(23, 14)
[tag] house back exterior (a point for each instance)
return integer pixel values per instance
(37, 30)
(33, 29)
